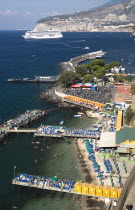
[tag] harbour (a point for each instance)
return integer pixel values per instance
(22, 99)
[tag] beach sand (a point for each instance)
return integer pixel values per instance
(88, 202)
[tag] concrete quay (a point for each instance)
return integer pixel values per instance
(97, 54)
(70, 65)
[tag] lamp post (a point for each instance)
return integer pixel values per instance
(14, 171)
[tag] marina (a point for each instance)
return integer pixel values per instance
(38, 159)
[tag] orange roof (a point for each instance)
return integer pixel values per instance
(123, 90)
(76, 86)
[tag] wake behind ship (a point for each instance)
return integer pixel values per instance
(49, 34)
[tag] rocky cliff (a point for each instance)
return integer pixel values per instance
(118, 17)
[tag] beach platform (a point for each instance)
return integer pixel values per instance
(62, 185)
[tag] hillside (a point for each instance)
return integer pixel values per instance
(117, 17)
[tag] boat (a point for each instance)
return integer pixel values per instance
(87, 48)
(48, 34)
(10, 80)
(80, 113)
(61, 122)
(77, 115)
(37, 142)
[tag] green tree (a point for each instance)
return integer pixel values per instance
(67, 78)
(113, 64)
(107, 66)
(100, 73)
(133, 89)
(82, 70)
(88, 78)
(129, 78)
(99, 62)
(78, 76)
(95, 68)
(118, 78)
(129, 115)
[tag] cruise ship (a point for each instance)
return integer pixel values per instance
(49, 34)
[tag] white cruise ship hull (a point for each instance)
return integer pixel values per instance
(51, 34)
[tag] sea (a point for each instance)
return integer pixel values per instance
(20, 58)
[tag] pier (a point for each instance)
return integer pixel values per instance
(70, 65)
(55, 184)
(97, 54)
(21, 121)
(38, 79)
(21, 131)
(58, 132)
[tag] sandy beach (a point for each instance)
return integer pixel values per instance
(91, 175)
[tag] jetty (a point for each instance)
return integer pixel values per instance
(38, 79)
(22, 120)
(62, 131)
(60, 185)
(58, 132)
(97, 54)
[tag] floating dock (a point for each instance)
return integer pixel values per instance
(63, 185)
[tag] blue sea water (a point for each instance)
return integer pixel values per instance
(21, 58)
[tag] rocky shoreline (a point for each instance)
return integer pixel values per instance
(50, 96)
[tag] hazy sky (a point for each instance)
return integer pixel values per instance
(23, 14)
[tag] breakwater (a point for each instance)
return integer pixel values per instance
(70, 65)
(21, 121)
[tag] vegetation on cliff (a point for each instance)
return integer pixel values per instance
(96, 69)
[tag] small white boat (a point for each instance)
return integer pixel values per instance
(81, 113)
(61, 122)
(77, 115)
(87, 48)
(37, 142)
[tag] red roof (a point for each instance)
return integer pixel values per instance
(76, 86)
(124, 90)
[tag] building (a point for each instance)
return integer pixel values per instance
(123, 95)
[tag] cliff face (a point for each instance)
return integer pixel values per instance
(119, 17)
